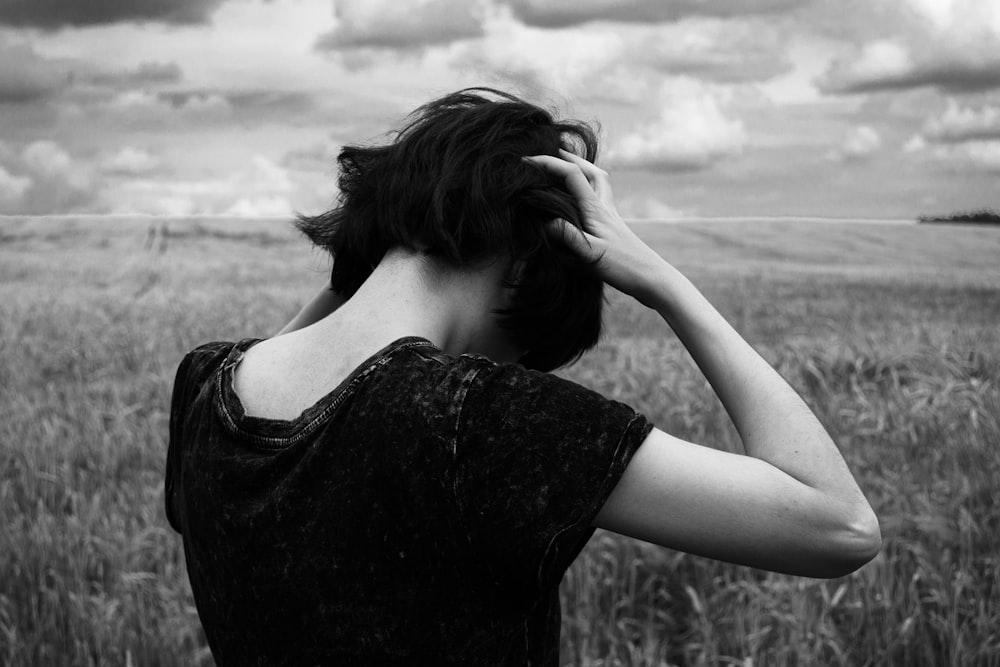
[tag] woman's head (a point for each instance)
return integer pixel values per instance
(452, 184)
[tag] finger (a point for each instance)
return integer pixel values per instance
(576, 181)
(599, 179)
(571, 236)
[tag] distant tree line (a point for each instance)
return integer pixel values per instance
(983, 216)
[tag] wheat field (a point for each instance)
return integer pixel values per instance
(890, 332)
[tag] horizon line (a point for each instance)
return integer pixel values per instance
(290, 217)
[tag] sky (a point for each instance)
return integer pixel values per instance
(706, 108)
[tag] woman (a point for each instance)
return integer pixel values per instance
(394, 479)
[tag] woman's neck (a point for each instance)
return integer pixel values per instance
(409, 294)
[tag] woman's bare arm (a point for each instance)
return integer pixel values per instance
(791, 504)
(325, 302)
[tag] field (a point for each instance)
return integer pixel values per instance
(891, 332)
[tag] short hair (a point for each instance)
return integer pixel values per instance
(452, 184)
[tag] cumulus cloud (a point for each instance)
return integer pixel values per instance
(648, 208)
(567, 61)
(262, 175)
(690, 133)
(25, 76)
(44, 178)
(129, 161)
(620, 63)
(54, 14)
(876, 64)
(148, 108)
(260, 207)
(152, 109)
(984, 154)
(12, 187)
(976, 155)
(207, 106)
(915, 144)
(262, 188)
(283, 106)
(860, 142)
(565, 13)
(710, 49)
(319, 157)
(960, 137)
(887, 66)
(952, 45)
(960, 124)
(382, 24)
(145, 74)
(47, 158)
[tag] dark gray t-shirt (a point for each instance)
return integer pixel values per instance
(423, 512)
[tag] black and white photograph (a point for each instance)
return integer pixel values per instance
(549, 333)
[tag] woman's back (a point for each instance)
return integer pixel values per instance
(422, 505)
(419, 510)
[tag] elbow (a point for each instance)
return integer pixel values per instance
(855, 544)
(865, 539)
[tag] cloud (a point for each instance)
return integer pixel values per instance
(620, 64)
(566, 13)
(26, 76)
(261, 176)
(260, 207)
(891, 66)
(860, 142)
(145, 108)
(47, 158)
(984, 154)
(690, 133)
(145, 74)
(319, 157)
(957, 124)
(976, 155)
(148, 108)
(388, 25)
(44, 178)
(648, 208)
(915, 144)
(952, 45)
(286, 106)
(55, 14)
(12, 188)
(130, 161)
(567, 61)
(876, 64)
(960, 137)
(710, 49)
(262, 188)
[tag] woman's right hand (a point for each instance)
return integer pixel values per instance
(624, 261)
(791, 504)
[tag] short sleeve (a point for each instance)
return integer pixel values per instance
(191, 373)
(536, 457)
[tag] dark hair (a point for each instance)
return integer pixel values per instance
(453, 185)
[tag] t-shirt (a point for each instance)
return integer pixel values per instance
(422, 512)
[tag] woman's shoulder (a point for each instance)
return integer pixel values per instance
(206, 358)
(513, 389)
(488, 371)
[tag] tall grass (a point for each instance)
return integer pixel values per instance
(921, 430)
(900, 359)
